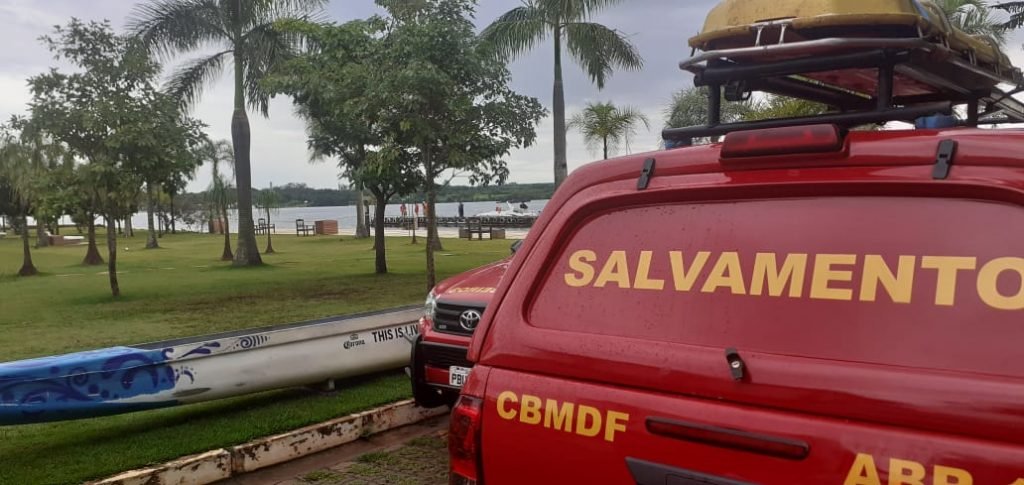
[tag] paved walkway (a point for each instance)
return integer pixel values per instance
(412, 455)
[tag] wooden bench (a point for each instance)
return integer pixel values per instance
(263, 228)
(303, 229)
(477, 227)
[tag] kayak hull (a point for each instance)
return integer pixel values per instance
(161, 374)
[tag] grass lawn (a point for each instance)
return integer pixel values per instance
(75, 451)
(183, 290)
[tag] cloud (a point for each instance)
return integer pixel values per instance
(660, 29)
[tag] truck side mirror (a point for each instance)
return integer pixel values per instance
(516, 245)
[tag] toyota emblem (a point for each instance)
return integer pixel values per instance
(469, 319)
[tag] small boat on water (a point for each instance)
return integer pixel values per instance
(124, 379)
(510, 211)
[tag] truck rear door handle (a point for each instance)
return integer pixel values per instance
(650, 473)
(778, 447)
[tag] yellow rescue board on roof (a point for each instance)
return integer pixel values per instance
(735, 23)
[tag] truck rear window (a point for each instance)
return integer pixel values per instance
(918, 282)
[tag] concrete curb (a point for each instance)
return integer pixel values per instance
(224, 463)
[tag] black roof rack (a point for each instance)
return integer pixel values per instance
(910, 78)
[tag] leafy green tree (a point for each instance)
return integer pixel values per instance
(689, 107)
(165, 145)
(598, 49)
(174, 186)
(244, 32)
(446, 98)
(332, 87)
(607, 126)
(100, 112)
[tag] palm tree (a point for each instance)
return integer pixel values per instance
(608, 126)
(598, 49)
(1016, 11)
(689, 107)
(776, 107)
(17, 177)
(242, 30)
(973, 17)
(269, 201)
(219, 192)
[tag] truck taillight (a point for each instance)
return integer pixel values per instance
(464, 441)
(782, 141)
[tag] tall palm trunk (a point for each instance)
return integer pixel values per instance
(42, 239)
(151, 242)
(92, 255)
(27, 267)
(115, 289)
(270, 242)
(247, 254)
(380, 261)
(173, 227)
(606, 147)
(226, 255)
(558, 109)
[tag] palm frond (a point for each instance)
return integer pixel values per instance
(264, 48)
(517, 31)
(600, 50)
(260, 12)
(574, 10)
(172, 27)
(973, 17)
(980, 22)
(605, 123)
(187, 82)
(1016, 11)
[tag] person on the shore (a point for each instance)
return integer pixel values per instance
(462, 211)
(404, 210)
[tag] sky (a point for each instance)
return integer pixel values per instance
(659, 28)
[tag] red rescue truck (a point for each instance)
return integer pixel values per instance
(438, 367)
(801, 303)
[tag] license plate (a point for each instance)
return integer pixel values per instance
(457, 376)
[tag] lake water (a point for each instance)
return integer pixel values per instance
(285, 218)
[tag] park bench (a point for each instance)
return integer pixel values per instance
(303, 229)
(476, 226)
(263, 228)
